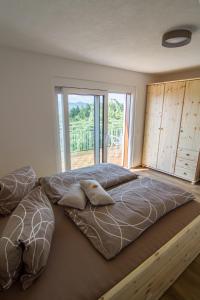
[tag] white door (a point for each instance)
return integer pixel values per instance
(83, 128)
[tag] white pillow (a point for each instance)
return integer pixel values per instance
(95, 193)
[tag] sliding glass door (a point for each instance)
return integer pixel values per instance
(92, 127)
(116, 125)
(81, 130)
(83, 123)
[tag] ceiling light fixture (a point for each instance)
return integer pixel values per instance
(176, 38)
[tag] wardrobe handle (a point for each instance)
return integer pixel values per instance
(181, 130)
(185, 173)
(187, 154)
(186, 164)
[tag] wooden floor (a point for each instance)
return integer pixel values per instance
(187, 286)
(86, 158)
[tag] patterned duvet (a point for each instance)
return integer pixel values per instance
(138, 204)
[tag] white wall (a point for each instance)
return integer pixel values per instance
(27, 111)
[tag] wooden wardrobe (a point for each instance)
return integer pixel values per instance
(172, 128)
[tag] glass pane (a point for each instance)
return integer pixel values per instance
(116, 112)
(81, 127)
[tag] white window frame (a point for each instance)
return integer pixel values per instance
(82, 91)
(102, 88)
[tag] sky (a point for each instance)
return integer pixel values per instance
(89, 99)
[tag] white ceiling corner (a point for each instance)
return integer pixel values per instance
(120, 33)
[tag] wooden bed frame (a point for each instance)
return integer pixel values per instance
(155, 275)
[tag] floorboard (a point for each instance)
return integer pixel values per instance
(187, 286)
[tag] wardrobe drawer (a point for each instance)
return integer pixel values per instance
(185, 163)
(187, 154)
(185, 173)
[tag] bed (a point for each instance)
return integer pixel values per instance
(143, 270)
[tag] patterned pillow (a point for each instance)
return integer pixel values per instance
(26, 239)
(14, 187)
(95, 193)
(107, 175)
(75, 197)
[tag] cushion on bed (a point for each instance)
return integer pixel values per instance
(107, 175)
(75, 197)
(26, 240)
(95, 193)
(14, 186)
(10, 253)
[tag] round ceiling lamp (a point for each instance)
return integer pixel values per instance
(176, 38)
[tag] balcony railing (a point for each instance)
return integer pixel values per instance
(82, 137)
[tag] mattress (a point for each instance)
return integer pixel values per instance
(76, 271)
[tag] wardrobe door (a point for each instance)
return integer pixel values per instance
(155, 94)
(190, 125)
(188, 158)
(170, 125)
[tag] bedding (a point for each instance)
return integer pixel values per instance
(76, 271)
(138, 205)
(95, 193)
(26, 240)
(75, 197)
(107, 175)
(14, 186)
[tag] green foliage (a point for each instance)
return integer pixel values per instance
(74, 112)
(82, 125)
(115, 110)
(84, 113)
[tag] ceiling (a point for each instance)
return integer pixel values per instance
(120, 33)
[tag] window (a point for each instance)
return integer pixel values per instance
(92, 127)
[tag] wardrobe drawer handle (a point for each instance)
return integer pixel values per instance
(186, 164)
(185, 173)
(187, 154)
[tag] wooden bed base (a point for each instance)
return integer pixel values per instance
(155, 275)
